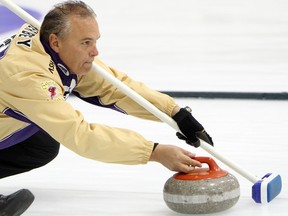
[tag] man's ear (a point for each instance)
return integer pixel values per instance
(54, 42)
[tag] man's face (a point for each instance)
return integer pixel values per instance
(78, 49)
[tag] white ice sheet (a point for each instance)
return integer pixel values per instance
(251, 133)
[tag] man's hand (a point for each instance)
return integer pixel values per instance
(192, 130)
(175, 158)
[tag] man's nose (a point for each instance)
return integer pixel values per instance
(94, 51)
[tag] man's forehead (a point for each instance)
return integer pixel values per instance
(87, 27)
(77, 19)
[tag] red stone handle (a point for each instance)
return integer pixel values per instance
(214, 171)
(213, 166)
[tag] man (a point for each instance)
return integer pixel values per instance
(38, 72)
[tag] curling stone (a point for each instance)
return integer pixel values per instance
(206, 190)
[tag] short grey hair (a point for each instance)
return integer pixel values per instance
(57, 22)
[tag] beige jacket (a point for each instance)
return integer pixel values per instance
(31, 87)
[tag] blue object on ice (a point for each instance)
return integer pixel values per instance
(267, 188)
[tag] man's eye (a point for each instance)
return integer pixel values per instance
(86, 42)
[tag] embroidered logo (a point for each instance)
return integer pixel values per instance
(51, 88)
(63, 69)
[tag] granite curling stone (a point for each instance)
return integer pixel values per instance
(206, 190)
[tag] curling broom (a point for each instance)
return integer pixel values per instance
(264, 190)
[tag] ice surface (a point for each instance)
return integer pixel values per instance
(251, 133)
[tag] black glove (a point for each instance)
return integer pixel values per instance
(191, 128)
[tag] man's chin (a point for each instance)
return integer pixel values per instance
(87, 67)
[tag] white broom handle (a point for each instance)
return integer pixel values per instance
(137, 98)
(165, 118)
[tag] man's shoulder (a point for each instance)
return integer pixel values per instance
(27, 40)
(26, 53)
